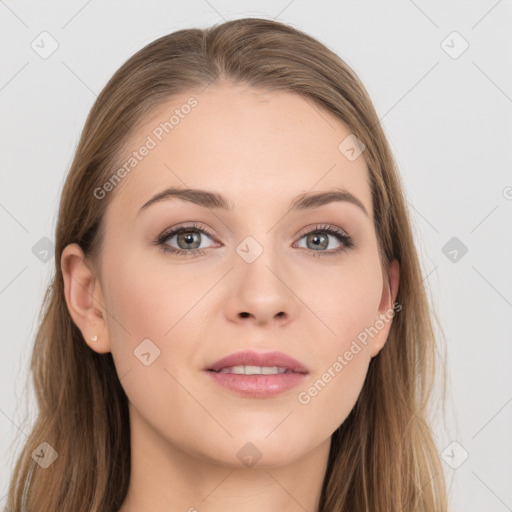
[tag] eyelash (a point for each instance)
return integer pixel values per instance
(346, 240)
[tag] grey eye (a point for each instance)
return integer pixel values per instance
(318, 241)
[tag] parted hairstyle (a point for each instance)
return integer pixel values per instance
(383, 457)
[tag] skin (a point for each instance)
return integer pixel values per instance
(260, 150)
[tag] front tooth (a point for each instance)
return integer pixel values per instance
(253, 370)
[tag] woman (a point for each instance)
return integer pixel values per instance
(238, 318)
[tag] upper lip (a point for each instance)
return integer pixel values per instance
(251, 358)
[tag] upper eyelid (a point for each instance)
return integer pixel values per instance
(322, 227)
(168, 233)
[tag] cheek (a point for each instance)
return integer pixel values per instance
(156, 324)
(345, 299)
(332, 392)
(148, 299)
(347, 304)
(151, 330)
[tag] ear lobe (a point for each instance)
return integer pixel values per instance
(386, 311)
(84, 298)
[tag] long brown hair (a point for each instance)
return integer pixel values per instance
(383, 457)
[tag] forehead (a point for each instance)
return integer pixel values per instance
(255, 147)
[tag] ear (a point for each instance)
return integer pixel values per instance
(386, 311)
(84, 298)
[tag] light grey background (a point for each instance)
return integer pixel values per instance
(448, 121)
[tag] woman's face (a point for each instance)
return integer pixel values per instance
(252, 276)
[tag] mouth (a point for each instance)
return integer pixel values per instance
(254, 370)
(257, 375)
(256, 363)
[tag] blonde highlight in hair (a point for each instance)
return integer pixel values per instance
(383, 457)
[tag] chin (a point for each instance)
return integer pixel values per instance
(260, 452)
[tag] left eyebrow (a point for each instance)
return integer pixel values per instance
(316, 199)
(215, 200)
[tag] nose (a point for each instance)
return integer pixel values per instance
(261, 293)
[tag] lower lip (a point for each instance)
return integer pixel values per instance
(258, 386)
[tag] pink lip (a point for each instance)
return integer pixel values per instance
(258, 386)
(251, 358)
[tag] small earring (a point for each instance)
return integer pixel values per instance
(94, 338)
